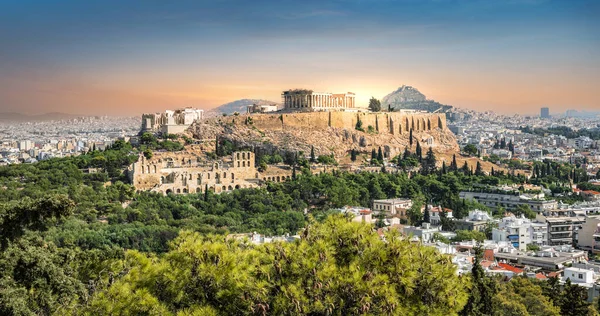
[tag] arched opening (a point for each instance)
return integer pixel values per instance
(238, 155)
(243, 163)
(208, 175)
(198, 190)
(185, 190)
(237, 186)
(229, 188)
(178, 190)
(238, 163)
(243, 155)
(223, 188)
(278, 179)
(169, 191)
(256, 175)
(148, 169)
(224, 175)
(162, 180)
(155, 169)
(232, 176)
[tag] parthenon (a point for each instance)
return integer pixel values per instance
(307, 100)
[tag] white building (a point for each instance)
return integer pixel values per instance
(424, 233)
(520, 232)
(391, 206)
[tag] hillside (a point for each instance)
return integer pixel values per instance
(407, 97)
(328, 133)
(241, 105)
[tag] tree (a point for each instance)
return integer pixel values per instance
(419, 152)
(380, 155)
(453, 164)
(353, 155)
(429, 163)
(470, 150)
(426, 216)
(373, 156)
(521, 296)
(482, 291)
(374, 105)
(478, 169)
(573, 301)
(410, 138)
(312, 154)
(336, 267)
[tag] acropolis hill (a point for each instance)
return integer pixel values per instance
(330, 132)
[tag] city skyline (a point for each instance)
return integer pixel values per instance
(103, 57)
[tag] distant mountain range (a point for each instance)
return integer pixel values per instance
(19, 117)
(407, 97)
(241, 106)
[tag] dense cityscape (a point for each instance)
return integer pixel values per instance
(323, 158)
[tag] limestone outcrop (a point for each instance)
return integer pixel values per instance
(331, 132)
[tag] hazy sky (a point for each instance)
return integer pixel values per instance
(128, 57)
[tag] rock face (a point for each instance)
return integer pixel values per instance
(240, 106)
(407, 97)
(331, 132)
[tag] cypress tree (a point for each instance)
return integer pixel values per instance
(379, 155)
(206, 192)
(418, 152)
(373, 156)
(312, 154)
(453, 164)
(353, 155)
(426, 216)
(478, 169)
(444, 167)
(406, 153)
(410, 138)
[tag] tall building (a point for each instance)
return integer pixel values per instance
(545, 113)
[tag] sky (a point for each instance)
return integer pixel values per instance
(105, 57)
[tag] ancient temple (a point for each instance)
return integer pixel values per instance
(302, 100)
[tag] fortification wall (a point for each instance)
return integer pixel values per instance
(392, 123)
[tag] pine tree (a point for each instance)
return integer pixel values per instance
(428, 166)
(573, 300)
(453, 164)
(418, 152)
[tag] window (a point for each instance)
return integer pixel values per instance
(580, 276)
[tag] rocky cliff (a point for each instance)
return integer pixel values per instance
(331, 132)
(407, 97)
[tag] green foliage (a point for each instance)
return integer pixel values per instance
(337, 268)
(327, 160)
(467, 235)
(374, 105)
(521, 296)
(470, 150)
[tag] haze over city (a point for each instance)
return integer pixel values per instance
(129, 57)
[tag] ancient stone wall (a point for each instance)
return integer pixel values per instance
(187, 172)
(392, 123)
